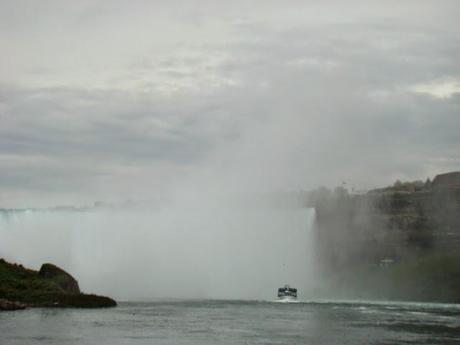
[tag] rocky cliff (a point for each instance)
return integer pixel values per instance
(61, 277)
(405, 238)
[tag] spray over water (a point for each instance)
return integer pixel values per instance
(242, 253)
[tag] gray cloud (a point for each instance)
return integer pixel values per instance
(104, 100)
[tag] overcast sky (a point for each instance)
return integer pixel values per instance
(116, 100)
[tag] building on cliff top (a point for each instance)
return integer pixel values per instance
(447, 180)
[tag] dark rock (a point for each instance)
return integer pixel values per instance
(62, 278)
(82, 301)
(10, 305)
(51, 287)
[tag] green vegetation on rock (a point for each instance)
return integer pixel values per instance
(37, 289)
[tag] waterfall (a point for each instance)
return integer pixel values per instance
(241, 252)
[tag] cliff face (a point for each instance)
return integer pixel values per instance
(401, 230)
(51, 287)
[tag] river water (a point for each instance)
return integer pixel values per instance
(236, 322)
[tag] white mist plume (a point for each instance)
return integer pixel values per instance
(218, 235)
(138, 255)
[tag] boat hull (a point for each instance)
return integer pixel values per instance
(287, 299)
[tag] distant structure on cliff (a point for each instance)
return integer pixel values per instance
(449, 180)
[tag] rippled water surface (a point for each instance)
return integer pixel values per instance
(236, 322)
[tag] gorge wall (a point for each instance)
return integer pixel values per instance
(396, 242)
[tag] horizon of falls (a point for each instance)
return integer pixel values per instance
(194, 252)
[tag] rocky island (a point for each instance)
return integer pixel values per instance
(51, 286)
